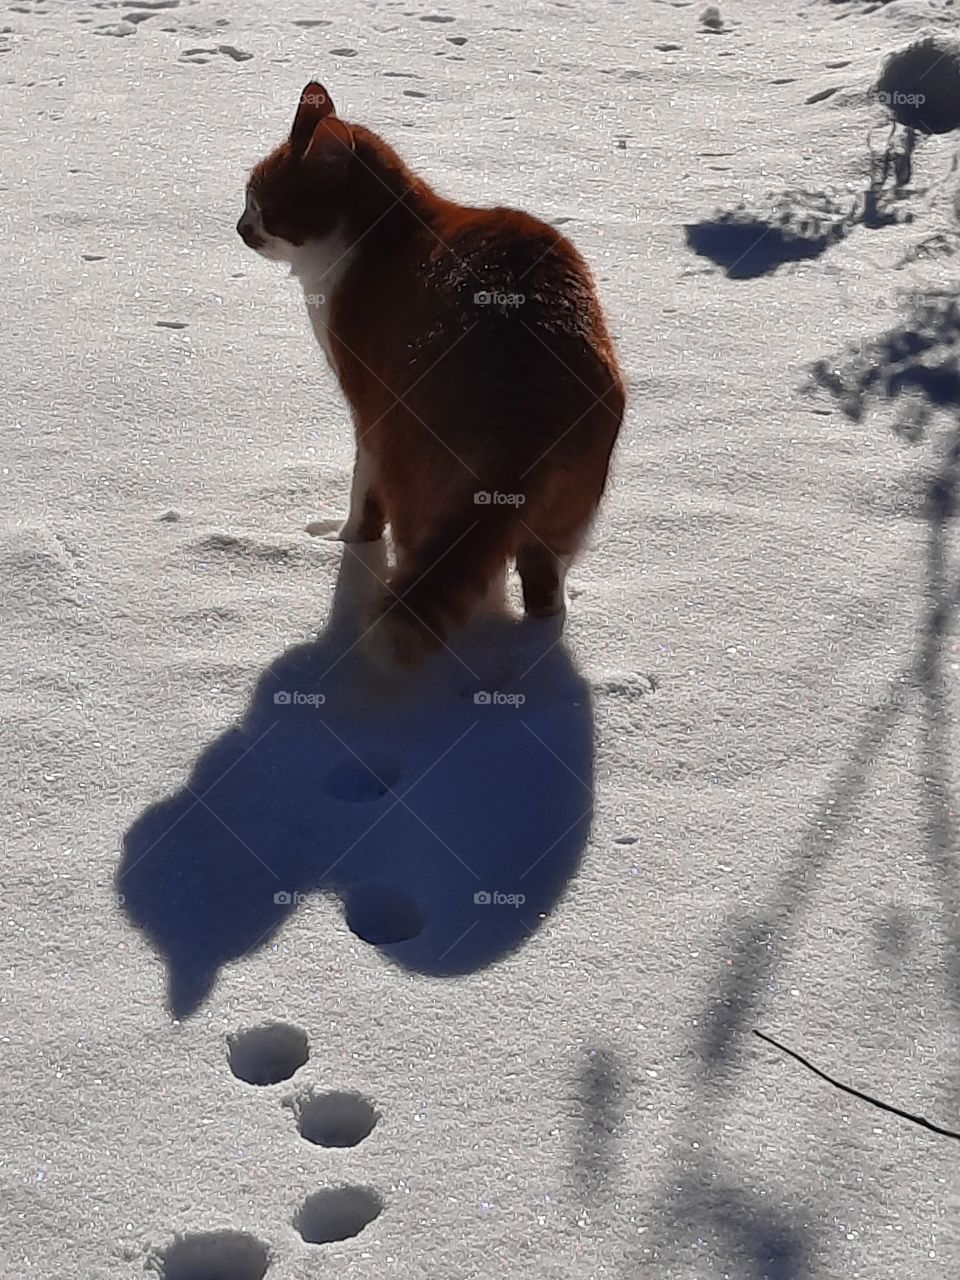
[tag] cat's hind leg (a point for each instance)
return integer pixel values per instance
(553, 528)
(494, 598)
(441, 578)
(543, 571)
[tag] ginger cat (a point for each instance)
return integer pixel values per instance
(472, 349)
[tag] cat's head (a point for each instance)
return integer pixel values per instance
(295, 195)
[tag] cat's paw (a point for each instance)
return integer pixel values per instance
(349, 530)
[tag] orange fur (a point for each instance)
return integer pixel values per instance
(450, 396)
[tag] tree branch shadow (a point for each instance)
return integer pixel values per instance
(916, 365)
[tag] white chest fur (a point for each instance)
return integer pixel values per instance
(320, 267)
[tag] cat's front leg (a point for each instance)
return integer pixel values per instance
(365, 521)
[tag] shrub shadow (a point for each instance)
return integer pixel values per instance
(803, 225)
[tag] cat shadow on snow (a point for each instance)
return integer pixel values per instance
(447, 811)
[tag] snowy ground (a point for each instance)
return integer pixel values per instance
(726, 798)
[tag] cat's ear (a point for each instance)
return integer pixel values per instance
(315, 105)
(331, 145)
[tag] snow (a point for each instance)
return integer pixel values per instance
(727, 799)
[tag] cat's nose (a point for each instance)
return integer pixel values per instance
(247, 233)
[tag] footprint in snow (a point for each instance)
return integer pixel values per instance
(214, 1255)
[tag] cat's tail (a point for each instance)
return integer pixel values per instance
(440, 583)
